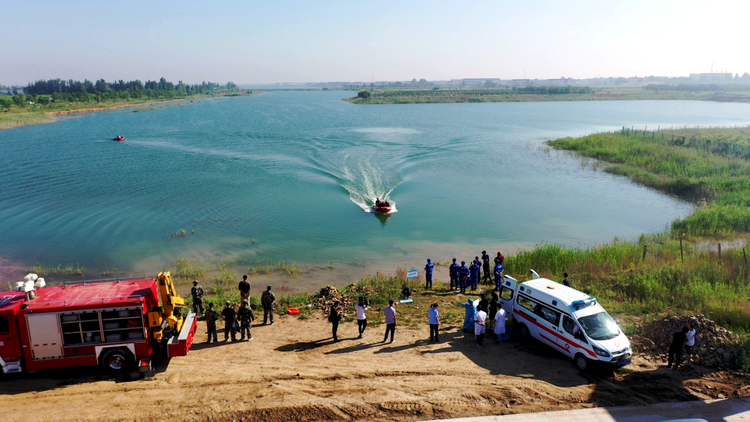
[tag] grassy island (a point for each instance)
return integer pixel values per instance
(421, 95)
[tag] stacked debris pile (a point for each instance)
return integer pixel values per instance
(330, 294)
(715, 346)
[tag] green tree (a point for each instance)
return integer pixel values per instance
(489, 83)
(365, 95)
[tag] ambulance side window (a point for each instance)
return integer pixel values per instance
(553, 317)
(571, 327)
(4, 328)
(527, 303)
(506, 293)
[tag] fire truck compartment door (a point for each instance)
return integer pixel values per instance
(45, 336)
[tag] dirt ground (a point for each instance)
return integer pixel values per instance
(292, 371)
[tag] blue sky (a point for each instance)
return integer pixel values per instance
(280, 41)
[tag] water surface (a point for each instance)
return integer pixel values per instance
(290, 176)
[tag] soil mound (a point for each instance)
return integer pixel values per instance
(715, 346)
(330, 294)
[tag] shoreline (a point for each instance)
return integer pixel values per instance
(118, 107)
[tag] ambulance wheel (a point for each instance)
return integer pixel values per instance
(116, 361)
(523, 332)
(581, 362)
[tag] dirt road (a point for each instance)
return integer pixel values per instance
(292, 371)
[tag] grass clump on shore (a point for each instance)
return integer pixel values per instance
(12, 120)
(709, 167)
(286, 268)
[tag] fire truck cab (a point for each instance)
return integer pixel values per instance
(116, 324)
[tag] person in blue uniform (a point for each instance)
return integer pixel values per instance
(474, 271)
(463, 276)
(428, 273)
(499, 269)
(453, 269)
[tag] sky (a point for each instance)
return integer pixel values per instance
(258, 42)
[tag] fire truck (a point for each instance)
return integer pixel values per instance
(118, 324)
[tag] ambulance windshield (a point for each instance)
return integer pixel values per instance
(599, 326)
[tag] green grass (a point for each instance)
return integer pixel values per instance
(402, 95)
(281, 267)
(57, 270)
(11, 120)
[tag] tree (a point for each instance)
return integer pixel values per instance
(365, 95)
(414, 81)
(489, 83)
(423, 81)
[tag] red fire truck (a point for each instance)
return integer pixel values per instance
(118, 324)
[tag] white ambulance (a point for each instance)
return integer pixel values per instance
(566, 319)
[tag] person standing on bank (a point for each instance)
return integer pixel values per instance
(471, 310)
(197, 293)
(244, 288)
(486, 278)
(229, 316)
(390, 321)
(434, 317)
(474, 271)
(246, 317)
(428, 273)
(566, 282)
(453, 271)
(480, 322)
(268, 300)
(675, 349)
(499, 271)
(211, 318)
(361, 308)
(689, 343)
(334, 317)
(500, 324)
(463, 277)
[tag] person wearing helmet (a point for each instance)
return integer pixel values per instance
(197, 293)
(453, 270)
(246, 317)
(463, 276)
(428, 273)
(229, 316)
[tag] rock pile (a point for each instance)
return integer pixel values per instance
(330, 294)
(715, 346)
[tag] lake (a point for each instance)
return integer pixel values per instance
(290, 175)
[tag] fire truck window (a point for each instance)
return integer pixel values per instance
(4, 329)
(506, 293)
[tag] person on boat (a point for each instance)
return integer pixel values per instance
(377, 202)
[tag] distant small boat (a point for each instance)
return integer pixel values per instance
(118, 138)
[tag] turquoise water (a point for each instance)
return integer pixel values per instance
(288, 176)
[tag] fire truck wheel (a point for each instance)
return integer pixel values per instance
(117, 360)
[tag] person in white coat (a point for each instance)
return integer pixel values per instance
(500, 325)
(480, 320)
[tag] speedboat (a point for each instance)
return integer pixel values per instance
(382, 206)
(118, 138)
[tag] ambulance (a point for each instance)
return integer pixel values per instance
(566, 319)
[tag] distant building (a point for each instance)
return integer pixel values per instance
(719, 77)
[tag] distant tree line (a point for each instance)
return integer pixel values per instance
(60, 86)
(538, 90)
(552, 90)
(59, 90)
(698, 87)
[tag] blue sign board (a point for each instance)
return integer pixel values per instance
(412, 274)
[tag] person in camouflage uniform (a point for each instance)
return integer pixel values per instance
(211, 318)
(246, 317)
(197, 293)
(230, 316)
(268, 300)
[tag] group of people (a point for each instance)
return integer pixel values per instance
(681, 340)
(235, 318)
(463, 277)
(379, 203)
(483, 314)
(336, 313)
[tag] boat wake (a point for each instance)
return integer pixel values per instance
(364, 182)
